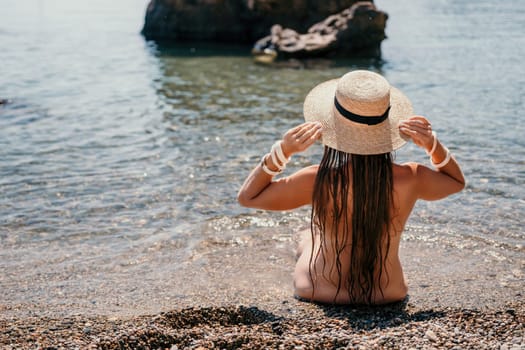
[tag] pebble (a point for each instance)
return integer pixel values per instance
(431, 336)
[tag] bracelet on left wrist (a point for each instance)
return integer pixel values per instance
(286, 152)
(265, 167)
(278, 157)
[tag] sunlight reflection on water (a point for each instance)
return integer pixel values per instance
(110, 140)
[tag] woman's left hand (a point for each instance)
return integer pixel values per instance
(301, 137)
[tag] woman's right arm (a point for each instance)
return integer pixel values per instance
(448, 177)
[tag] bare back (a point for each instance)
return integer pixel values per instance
(325, 275)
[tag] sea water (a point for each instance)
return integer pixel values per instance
(113, 149)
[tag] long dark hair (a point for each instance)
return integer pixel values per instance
(366, 231)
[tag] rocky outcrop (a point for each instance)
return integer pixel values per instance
(234, 21)
(358, 29)
(288, 28)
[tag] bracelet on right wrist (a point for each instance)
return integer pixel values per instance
(434, 144)
(444, 162)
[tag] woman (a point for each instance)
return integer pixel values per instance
(360, 198)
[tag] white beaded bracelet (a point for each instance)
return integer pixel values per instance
(280, 165)
(434, 144)
(444, 162)
(277, 155)
(278, 159)
(278, 148)
(266, 169)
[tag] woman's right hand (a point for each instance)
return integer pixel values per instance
(301, 137)
(419, 129)
(447, 178)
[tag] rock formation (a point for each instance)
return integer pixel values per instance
(246, 21)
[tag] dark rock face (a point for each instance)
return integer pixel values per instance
(233, 21)
(358, 29)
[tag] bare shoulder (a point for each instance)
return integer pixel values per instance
(312, 169)
(410, 170)
(425, 183)
(407, 178)
(305, 175)
(406, 171)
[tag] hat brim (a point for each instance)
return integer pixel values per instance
(351, 137)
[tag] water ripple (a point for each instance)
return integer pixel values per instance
(112, 142)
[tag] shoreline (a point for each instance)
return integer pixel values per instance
(235, 294)
(240, 270)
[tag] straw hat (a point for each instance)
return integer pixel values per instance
(360, 113)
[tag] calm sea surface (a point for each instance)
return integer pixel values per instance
(112, 147)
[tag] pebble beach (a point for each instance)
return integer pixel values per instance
(398, 326)
(241, 298)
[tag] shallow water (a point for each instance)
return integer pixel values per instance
(114, 150)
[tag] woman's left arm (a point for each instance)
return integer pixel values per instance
(261, 191)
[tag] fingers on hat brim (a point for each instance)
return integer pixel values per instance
(350, 137)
